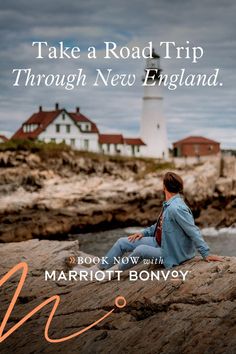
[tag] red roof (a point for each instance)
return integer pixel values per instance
(2, 137)
(133, 141)
(196, 140)
(44, 118)
(111, 139)
(78, 117)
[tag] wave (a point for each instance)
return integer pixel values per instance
(206, 232)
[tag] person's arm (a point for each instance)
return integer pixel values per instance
(184, 218)
(149, 231)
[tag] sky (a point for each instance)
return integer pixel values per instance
(207, 111)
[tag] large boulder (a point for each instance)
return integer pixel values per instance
(228, 168)
(49, 196)
(171, 317)
(226, 186)
(199, 184)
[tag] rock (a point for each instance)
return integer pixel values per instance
(97, 192)
(195, 316)
(200, 184)
(33, 160)
(32, 181)
(225, 186)
(228, 168)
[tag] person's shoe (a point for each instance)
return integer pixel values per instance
(110, 273)
(92, 272)
(114, 268)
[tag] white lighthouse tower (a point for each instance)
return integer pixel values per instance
(153, 125)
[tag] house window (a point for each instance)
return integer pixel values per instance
(108, 147)
(63, 116)
(53, 140)
(57, 128)
(158, 126)
(87, 127)
(138, 148)
(210, 147)
(68, 128)
(72, 142)
(33, 127)
(196, 149)
(118, 151)
(86, 144)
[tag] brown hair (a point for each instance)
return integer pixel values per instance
(173, 182)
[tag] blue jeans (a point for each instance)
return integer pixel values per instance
(145, 248)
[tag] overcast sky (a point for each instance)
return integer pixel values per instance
(208, 111)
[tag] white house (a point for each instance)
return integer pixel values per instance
(81, 133)
(78, 131)
(117, 144)
(3, 139)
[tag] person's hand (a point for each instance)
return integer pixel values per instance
(213, 258)
(135, 237)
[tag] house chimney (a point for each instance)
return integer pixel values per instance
(77, 109)
(56, 106)
(40, 108)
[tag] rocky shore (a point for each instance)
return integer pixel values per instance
(48, 196)
(174, 317)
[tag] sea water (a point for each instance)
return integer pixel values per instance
(221, 241)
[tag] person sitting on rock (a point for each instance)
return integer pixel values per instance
(173, 238)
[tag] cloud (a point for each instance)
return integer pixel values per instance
(209, 23)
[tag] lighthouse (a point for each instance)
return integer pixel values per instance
(153, 126)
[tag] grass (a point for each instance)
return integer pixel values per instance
(151, 165)
(54, 150)
(31, 145)
(44, 150)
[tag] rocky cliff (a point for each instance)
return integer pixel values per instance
(171, 317)
(48, 196)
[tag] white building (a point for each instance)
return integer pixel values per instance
(117, 144)
(153, 126)
(3, 139)
(76, 130)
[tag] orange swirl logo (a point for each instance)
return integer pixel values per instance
(120, 302)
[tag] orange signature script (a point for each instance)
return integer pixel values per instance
(120, 302)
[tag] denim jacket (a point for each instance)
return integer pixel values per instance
(180, 235)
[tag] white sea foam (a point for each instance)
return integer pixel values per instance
(207, 231)
(213, 232)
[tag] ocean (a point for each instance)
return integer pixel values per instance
(221, 241)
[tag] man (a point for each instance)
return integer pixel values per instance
(173, 238)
